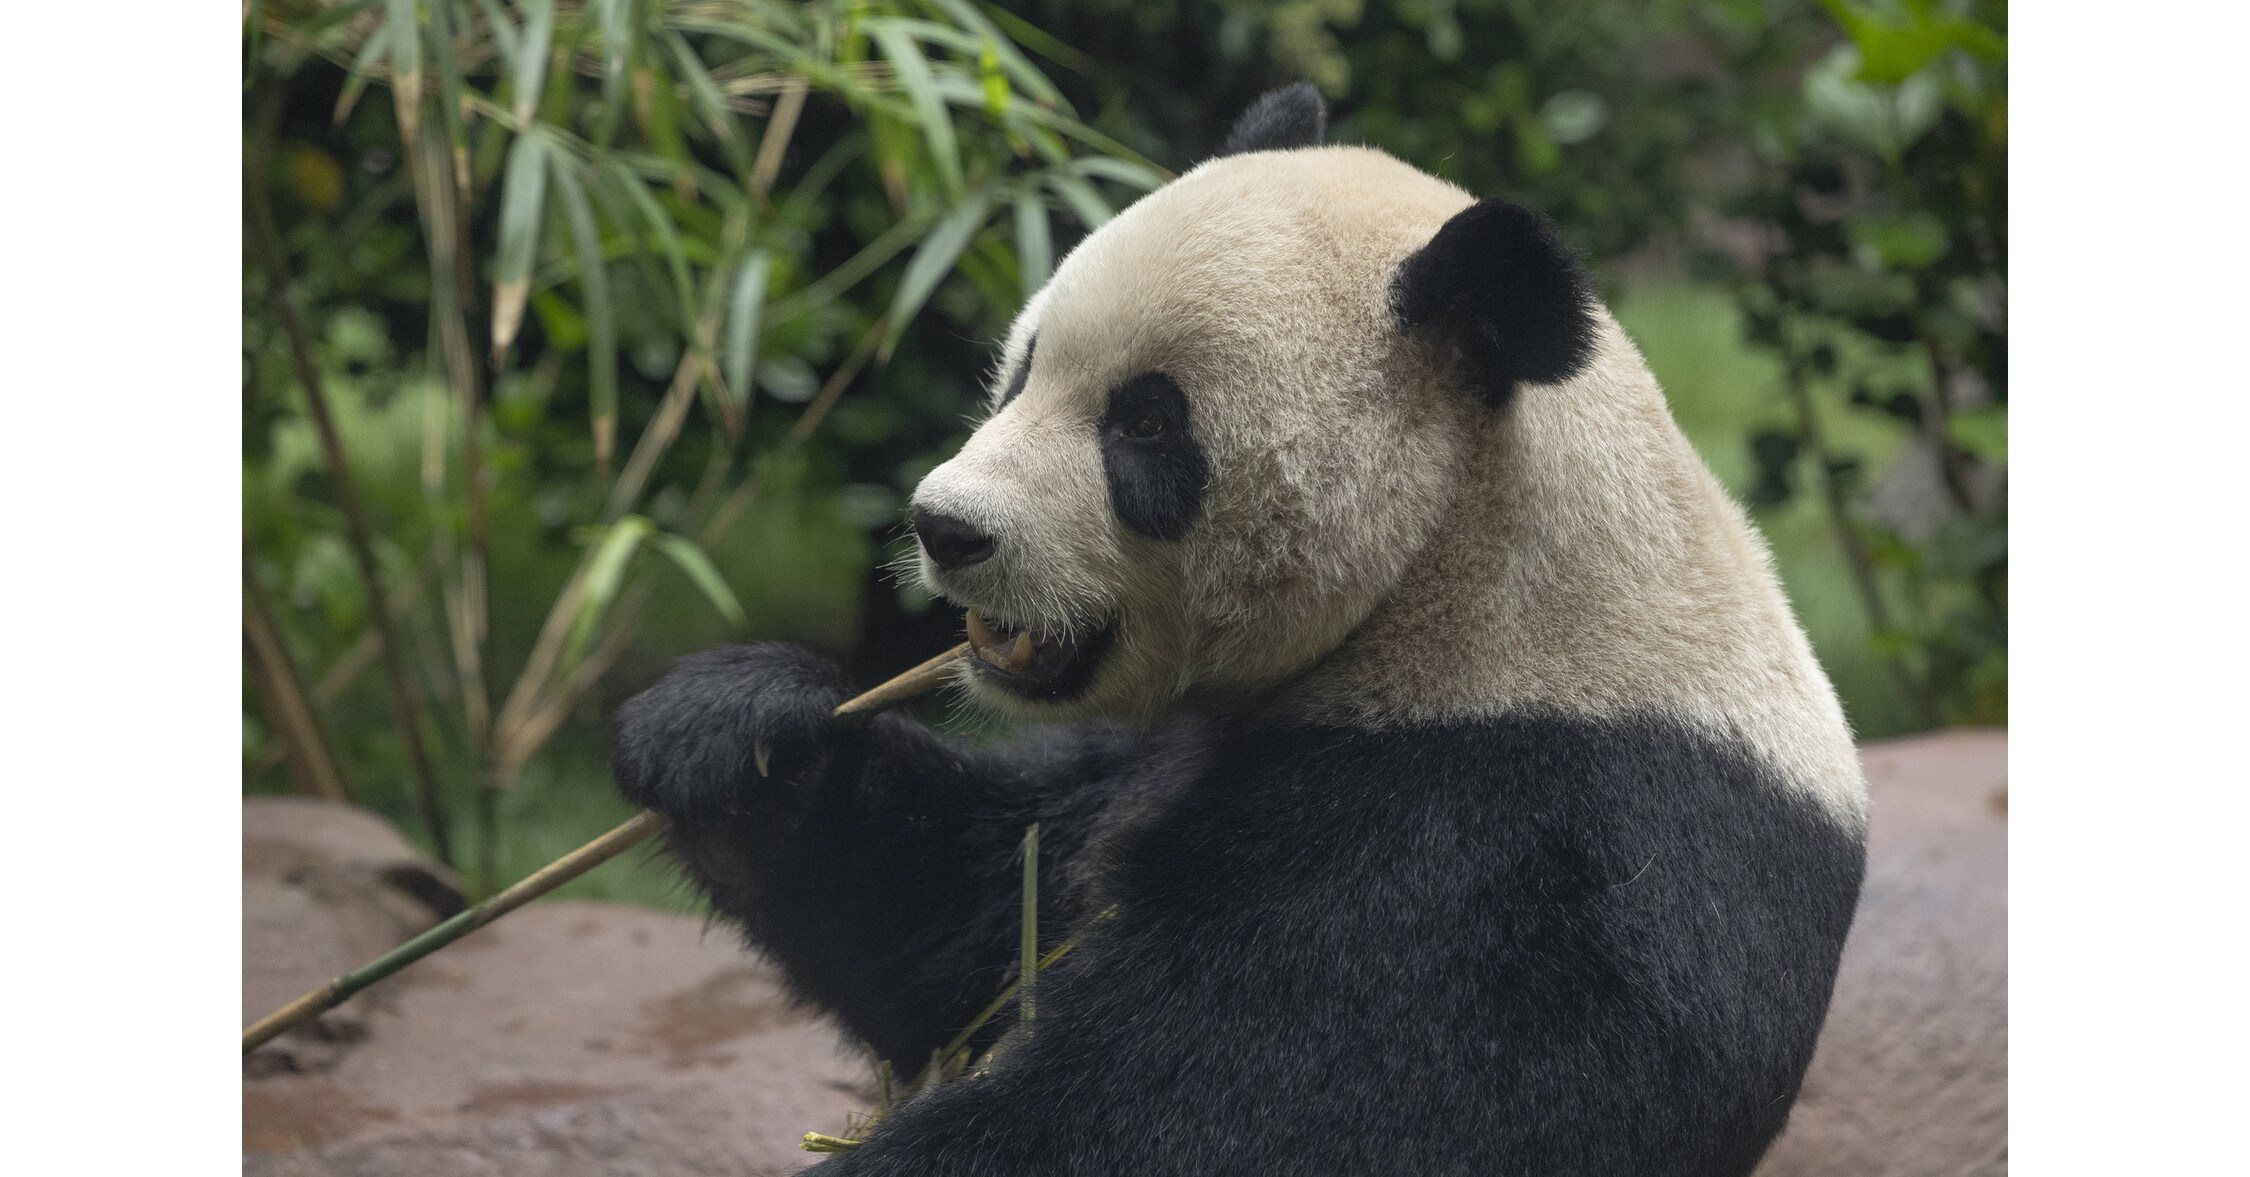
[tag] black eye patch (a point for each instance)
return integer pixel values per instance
(1023, 373)
(1155, 469)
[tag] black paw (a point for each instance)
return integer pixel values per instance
(727, 729)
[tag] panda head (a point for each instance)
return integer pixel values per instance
(1236, 413)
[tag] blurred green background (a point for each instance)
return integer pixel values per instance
(634, 321)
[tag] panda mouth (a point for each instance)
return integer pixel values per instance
(1043, 663)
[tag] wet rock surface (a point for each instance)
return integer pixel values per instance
(579, 1039)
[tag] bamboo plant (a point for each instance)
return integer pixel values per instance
(592, 185)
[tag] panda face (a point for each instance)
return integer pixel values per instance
(1213, 448)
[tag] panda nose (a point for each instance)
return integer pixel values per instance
(951, 542)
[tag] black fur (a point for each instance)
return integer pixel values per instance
(1527, 945)
(1293, 116)
(1506, 292)
(1156, 471)
(1023, 373)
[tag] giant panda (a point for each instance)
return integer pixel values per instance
(1420, 742)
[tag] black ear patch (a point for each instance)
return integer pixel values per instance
(1507, 292)
(1293, 116)
(1155, 469)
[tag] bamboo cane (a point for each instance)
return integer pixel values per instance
(635, 831)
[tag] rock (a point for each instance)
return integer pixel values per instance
(1911, 1076)
(571, 1039)
(325, 888)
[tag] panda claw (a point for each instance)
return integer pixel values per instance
(762, 753)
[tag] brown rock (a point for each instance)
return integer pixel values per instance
(325, 888)
(1911, 1077)
(572, 1038)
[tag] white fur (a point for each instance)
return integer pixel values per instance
(1375, 546)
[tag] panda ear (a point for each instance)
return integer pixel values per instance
(1506, 292)
(1293, 116)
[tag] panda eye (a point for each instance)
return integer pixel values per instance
(1144, 427)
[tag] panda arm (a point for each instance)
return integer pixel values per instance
(876, 862)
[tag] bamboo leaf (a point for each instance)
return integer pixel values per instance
(531, 58)
(933, 259)
(693, 561)
(1018, 66)
(449, 89)
(993, 82)
(929, 105)
(1081, 197)
(313, 27)
(745, 305)
(833, 283)
(617, 21)
(406, 68)
(506, 40)
(711, 104)
(593, 274)
(522, 201)
(605, 574)
(1035, 244)
(1124, 171)
(667, 236)
(371, 54)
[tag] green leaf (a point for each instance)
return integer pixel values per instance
(693, 561)
(921, 88)
(449, 85)
(371, 53)
(593, 275)
(507, 40)
(1981, 433)
(711, 104)
(1019, 68)
(1882, 119)
(745, 304)
(1574, 116)
(531, 58)
(1081, 197)
(667, 236)
(604, 576)
(828, 286)
(934, 259)
(564, 326)
(1892, 51)
(1908, 240)
(523, 194)
(617, 37)
(1123, 171)
(994, 82)
(1035, 245)
(406, 46)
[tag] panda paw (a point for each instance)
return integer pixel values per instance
(726, 729)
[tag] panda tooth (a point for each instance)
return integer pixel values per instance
(989, 646)
(1019, 658)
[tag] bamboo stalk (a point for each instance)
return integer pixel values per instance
(636, 830)
(281, 693)
(1027, 967)
(265, 241)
